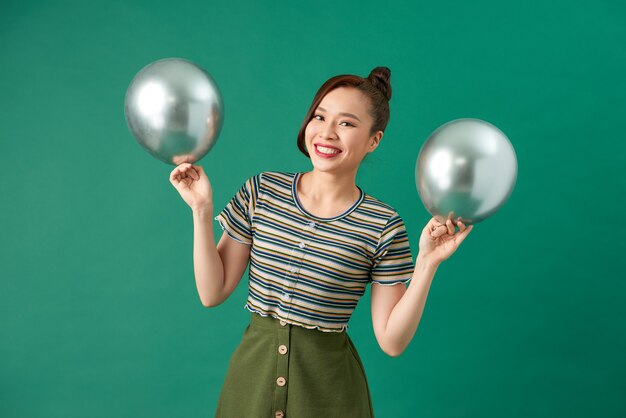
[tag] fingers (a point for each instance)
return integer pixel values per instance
(178, 171)
(463, 234)
(185, 172)
(438, 231)
(435, 222)
(193, 173)
(436, 228)
(450, 226)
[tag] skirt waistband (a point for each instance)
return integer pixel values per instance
(269, 322)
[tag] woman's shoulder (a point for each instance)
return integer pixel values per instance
(376, 205)
(276, 175)
(275, 178)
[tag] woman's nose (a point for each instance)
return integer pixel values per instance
(327, 132)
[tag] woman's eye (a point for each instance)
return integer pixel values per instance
(344, 123)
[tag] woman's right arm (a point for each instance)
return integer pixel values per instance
(217, 268)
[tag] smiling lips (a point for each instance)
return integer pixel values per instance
(326, 151)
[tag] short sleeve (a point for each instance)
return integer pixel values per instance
(236, 218)
(392, 261)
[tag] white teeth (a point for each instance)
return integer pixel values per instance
(329, 151)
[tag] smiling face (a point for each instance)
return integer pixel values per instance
(338, 135)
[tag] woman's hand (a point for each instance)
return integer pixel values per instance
(193, 185)
(438, 241)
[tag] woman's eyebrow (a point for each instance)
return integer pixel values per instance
(350, 115)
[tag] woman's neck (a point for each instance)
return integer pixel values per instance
(324, 188)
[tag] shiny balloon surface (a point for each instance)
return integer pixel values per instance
(466, 169)
(174, 109)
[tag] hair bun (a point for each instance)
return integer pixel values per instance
(379, 77)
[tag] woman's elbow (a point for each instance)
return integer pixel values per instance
(210, 303)
(392, 351)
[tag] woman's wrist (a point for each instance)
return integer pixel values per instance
(203, 211)
(425, 261)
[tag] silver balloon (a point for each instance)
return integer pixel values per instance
(174, 109)
(467, 168)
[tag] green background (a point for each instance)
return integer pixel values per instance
(100, 315)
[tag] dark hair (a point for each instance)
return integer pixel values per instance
(376, 86)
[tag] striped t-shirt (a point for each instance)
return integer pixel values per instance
(312, 271)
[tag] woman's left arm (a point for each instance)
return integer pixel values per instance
(397, 310)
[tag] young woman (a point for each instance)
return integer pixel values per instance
(314, 241)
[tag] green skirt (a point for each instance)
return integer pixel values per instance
(281, 370)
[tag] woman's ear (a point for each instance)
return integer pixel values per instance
(375, 140)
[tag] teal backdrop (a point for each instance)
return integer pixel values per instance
(100, 314)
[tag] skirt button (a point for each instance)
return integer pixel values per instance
(282, 349)
(282, 323)
(281, 381)
(279, 414)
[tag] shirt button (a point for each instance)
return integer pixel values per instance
(282, 349)
(279, 414)
(312, 224)
(282, 323)
(293, 269)
(281, 381)
(302, 245)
